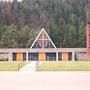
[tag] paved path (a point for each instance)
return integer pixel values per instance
(29, 67)
(44, 80)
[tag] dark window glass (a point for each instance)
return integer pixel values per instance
(50, 56)
(36, 45)
(49, 45)
(24, 56)
(14, 56)
(69, 56)
(59, 56)
(33, 56)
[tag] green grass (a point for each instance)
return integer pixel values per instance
(11, 65)
(64, 66)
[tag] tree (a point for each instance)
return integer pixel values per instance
(32, 36)
(23, 36)
(82, 35)
(63, 19)
(70, 36)
(9, 37)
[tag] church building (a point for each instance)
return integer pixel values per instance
(43, 49)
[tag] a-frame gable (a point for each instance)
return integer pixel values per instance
(43, 41)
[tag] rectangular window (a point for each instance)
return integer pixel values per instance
(51, 56)
(33, 56)
(14, 56)
(24, 56)
(69, 56)
(3, 56)
(59, 56)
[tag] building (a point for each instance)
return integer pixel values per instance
(88, 34)
(43, 49)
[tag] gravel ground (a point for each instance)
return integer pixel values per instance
(44, 80)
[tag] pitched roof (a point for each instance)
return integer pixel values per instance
(43, 41)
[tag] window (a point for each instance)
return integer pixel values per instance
(59, 56)
(14, 56)
(24, 56)
(69, 56)
(50, 56)
(43, 41)
(49, 45)
(33, 56)
(36, 45)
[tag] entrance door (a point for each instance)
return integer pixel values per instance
(33, 56)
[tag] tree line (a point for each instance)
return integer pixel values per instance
(64, 20)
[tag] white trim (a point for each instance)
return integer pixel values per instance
(49, 38)
(56, 56)
(43, 30)
(73, 56)
(36, 38)
(26, 56)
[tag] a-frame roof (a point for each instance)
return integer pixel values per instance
(43, 41)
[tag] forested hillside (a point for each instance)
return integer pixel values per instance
(64, 20)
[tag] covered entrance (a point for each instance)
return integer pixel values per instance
(42, 42)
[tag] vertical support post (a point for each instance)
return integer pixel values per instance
(10, 56)
(56, 56)
(26, 56)
(73, 56)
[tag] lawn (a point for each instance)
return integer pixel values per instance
(64, 66)
(11, 65)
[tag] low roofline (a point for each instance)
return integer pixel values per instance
(43, 50)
